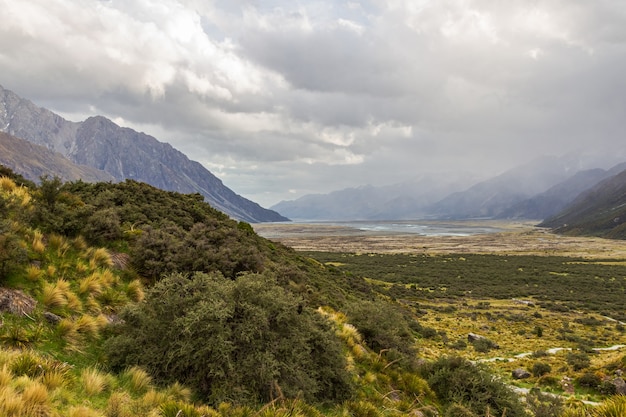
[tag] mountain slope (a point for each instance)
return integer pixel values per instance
(600, 211)
(556, 198)
(405, 200)
(33, 161)
(125, 154)
(494, 197)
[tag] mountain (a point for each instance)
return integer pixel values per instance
(405, 200)
(495, 197)
(34, 161)
(124, 154)
(556, 198)
(600, 211)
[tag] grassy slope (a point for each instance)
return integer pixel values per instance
(60, 369)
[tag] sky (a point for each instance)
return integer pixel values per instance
(282, 98)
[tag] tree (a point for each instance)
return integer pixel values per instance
(245, 340)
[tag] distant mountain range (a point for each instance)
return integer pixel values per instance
(599, 211)
(99, 150)
(536, 190)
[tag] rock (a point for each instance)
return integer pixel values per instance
(472, 337)
(620, 385)
(51, 317)
(520, 373)
(16, 302)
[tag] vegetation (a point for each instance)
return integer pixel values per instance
(124, 300)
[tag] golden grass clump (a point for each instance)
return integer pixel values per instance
(178, 392)
(10, 402)
(138, 379)
(5, 375)
(153, 398)
(93, 381)
(7, 184)
(55, 295)
(79, 243)
(119, 405)
(100, 257)
(134, 291)
(74, 303)
(23, 195)
(82, 411)
(93, 306)
(88, 325)
(108, 278)
(68, 331)
(92, 284)
(38, 244)
(58, 243)
(33, 273)
(35, 394)
(51, 271)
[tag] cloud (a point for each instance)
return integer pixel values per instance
(279, 98)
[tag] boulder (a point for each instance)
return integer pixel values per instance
(520, 373)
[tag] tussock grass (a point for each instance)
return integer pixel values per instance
(82, 411)
(5, 375)
(33, 273)
(7, 184)
(119, 405)
(74, 303)
(79, 243)
(138, 380)
(51, 271)
(134, 291)
(58, 243)
(10, 402)
(100, 257)
(37, 243)
(35, 394)
(178, 392)
(88, 326)
(54, 296)
(68, 331)
(93, 381)
(92, 284)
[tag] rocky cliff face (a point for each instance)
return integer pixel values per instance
(123, 153)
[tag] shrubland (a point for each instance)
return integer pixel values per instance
(122, 299)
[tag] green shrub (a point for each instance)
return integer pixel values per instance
(540, 369)
(246, 340)
(455, 380)
(578, 360)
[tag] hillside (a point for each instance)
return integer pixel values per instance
(600, 211)
(557, 197)
(121, 299)
(124, 154)
(34, 161)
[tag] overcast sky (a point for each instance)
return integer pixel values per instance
(282, 98)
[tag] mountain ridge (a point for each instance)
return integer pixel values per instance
(123, 153)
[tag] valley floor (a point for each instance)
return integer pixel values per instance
(514, 238)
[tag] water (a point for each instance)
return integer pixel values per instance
(426, 228)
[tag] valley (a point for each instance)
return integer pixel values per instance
(515, 237)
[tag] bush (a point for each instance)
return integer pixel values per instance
(243, 341)
(455, 380)
(540, 369)
(589, 380)
(383, 327)
(578, 360)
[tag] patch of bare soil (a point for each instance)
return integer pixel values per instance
(514, 238)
